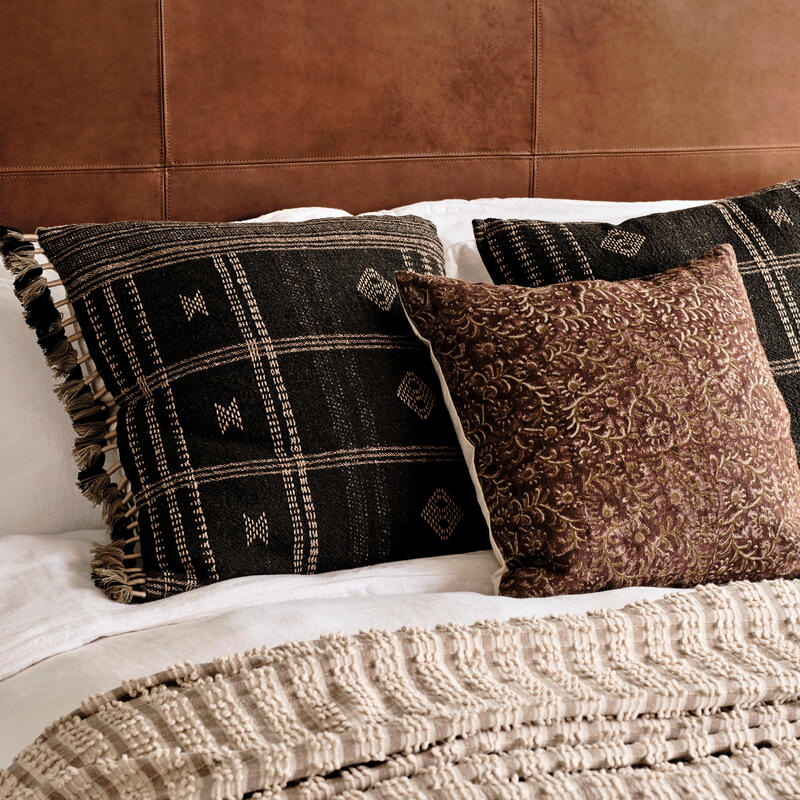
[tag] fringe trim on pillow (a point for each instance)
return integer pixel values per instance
(92, 419)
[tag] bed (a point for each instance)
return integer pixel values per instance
(313, 110)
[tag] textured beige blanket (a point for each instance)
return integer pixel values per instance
(696, 695)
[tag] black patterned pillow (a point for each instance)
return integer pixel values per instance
(270, 408)
(763, 228)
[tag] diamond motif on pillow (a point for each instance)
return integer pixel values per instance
(626, 243)
(377, 289)
(442, 514)
(194, 305)
(229, 416)
(779, 216)
(256, 528)
(416, 395)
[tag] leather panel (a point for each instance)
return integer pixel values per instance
(228, 193)
(350, 78)
(684, 176)
(80, 84)
(33, 200)
(618, 74)
(220, 110)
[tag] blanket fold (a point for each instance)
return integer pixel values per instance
(695, 695)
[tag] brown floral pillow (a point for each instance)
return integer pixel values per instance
(625, 433)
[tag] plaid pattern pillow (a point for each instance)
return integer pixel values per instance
(763, 228)
(270, 409)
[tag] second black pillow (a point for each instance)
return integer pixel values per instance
(763, 228)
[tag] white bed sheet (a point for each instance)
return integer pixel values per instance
(62, 640)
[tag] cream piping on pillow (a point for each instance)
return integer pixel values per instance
(467, 449)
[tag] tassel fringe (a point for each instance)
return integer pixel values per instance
(108, 570)
(62, 358)
(33, 290)
(90, 418)
(86, 452)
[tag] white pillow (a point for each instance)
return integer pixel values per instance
(37, 474)
(299, 214)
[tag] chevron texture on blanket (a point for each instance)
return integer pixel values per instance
(695, 695)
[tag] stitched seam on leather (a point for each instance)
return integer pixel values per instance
(575, 156)
(268, 160)
(513, 157)
(248, 167)
(676, 148)
(351, 157)
(29, 173)
(162, 84)
(46, 167)
(532, 99)
(259, 164)
(537, 86)
(21, 172)
(82, 172)
(598, 152)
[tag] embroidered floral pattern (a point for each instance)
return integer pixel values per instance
(625, 433)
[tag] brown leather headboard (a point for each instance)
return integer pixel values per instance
(223, 109)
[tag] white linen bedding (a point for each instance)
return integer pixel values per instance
(62, 640)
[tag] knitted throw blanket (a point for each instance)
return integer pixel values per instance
(696, 695)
